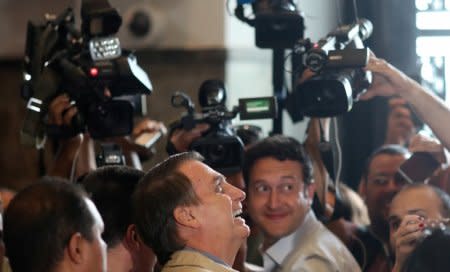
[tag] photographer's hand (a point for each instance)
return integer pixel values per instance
(422, 143)
(134, 152)
(388, 81)
(60, 113)
(148, 126)
(182, 139)
(405, 238)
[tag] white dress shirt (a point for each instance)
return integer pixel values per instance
(311, 248)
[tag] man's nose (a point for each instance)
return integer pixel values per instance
(236, 194)
(273, 200)
(393, 185)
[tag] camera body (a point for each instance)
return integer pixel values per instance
(90, 66)
(222, 149)
(110, 154)
(278, 23)
(338, 61)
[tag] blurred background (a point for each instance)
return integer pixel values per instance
(180, 43)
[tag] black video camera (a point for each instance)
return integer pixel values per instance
(220, 146)
(338, 61)
(90, 66)
(277, 23)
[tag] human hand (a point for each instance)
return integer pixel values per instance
(182, 139)
(422, 143)
(61, 111)
(405, 237)
(387, 80)
(400, 127)
(147, 125)
(129, 144)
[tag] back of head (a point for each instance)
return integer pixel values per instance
(281, 148)
(161, 190)
(432, 254)
(40, 221)
(111, 189)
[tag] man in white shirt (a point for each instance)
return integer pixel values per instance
(278, 174)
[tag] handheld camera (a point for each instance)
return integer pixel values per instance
(220, 146)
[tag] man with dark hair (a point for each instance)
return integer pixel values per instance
(53, 226)
(415, 210)
(380, 182)
(111, 189)
(189, 215)
(278, 173)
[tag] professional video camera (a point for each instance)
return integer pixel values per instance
(338, 62)
(220, 146)
(277, 23)
(90, 67)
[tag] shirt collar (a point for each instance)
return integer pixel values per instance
(208, 255)
(278, 251)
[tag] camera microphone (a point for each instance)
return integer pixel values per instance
(212, 93)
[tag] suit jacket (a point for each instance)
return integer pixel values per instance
(192, 261)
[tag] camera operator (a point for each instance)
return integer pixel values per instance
(389, 81)
(78, 151)
(180, 139)
(400, 125)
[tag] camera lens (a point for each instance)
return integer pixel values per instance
(217, 153)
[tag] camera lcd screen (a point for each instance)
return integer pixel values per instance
(257, 108)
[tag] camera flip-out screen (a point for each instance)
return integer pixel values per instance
(257, 108)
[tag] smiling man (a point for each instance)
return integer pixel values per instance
(189, 215)
(379, 184)
(278, 173)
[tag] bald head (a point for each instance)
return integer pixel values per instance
(421, 199)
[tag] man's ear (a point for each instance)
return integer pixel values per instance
(185, 216)
(309, 192)
(131, 241)
(76, 248)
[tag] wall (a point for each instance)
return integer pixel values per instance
(187, 47)
(186, 24)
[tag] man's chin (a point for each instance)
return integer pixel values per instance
(240, 223)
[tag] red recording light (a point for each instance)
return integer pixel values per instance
(93, 72)
(316, 45)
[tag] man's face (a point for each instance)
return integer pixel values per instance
(97, 261)
(220, 203)
(381, 185)
(278, 200)
(421, 201)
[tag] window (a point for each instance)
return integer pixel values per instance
(433, 44)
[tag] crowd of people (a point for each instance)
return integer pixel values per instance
(282, 212)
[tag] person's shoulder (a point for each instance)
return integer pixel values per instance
(193, 261)
(327, 253)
